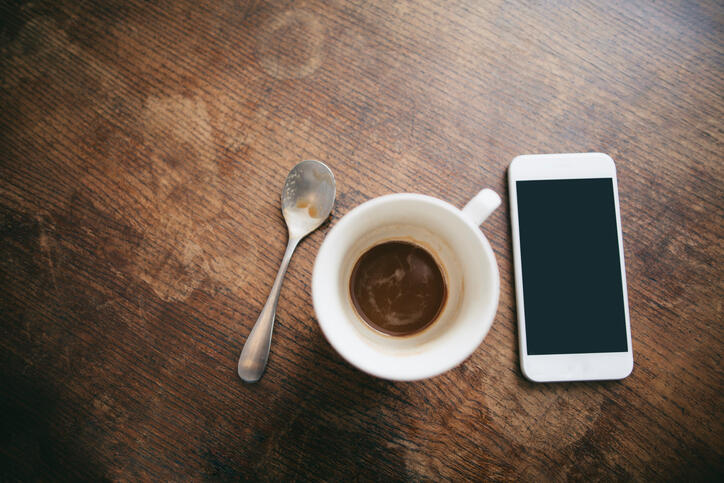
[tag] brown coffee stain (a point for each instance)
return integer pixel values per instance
(310, 207)
(291, 45)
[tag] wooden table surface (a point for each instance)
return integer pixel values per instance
(143, 150)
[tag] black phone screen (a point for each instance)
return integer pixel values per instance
(572, 286)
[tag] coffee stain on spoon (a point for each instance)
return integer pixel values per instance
(310, 207)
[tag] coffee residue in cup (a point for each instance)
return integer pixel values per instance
(398, 288)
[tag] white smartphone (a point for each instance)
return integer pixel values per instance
(570, 279)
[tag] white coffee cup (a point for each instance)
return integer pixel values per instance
(453, 238)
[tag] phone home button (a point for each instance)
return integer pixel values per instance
(574, 371)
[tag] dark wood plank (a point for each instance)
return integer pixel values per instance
(144, 146)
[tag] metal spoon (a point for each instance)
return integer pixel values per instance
(307, 201)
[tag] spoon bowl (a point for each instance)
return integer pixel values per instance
(308, 197)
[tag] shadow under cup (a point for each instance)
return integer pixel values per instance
(468, 266)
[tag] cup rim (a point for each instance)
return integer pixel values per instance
(326, 317)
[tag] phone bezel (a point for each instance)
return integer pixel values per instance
(566, 367)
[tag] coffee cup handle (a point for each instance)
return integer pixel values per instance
(481, 206)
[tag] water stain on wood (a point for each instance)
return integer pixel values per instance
(291, 44)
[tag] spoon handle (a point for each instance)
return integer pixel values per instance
(255, 353)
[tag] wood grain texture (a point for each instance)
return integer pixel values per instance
(144, 146)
